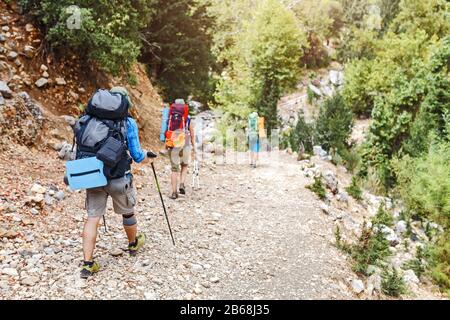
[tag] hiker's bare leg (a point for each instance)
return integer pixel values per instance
(183, 175)
(174, 179)
(131, 232)
(90, 237)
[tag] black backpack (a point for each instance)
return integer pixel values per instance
(101, 132)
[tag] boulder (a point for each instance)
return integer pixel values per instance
(337, 77)
(328, 91)
(71, 121)
(42, 82)
(314, 89)
(410, 279)
(29, 27)
(342, 196)
(38, 189)
(318, 151)
(375, 280)
(60, 81)
(2, 38)
(5, 91)
(29, 52)
(401, 227)
(331, 182)
(325, 208)
(29, 281)
(59, 195)
(390, 236)
(357, 286)
(10, 272)
(66, 152)
(12, 55)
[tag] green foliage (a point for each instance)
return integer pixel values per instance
(318, 188)
(321, 19)
(356, 43)
(440, 262)
(383, 217)
(273, 43)
(354, 189)
(424, 183)
(369, 78)
(370, 249)
(334, 124)
(357, 92)
(417, 264)
(392, 284)
(109, 33)
(430, 16)
(351, 158)
(312, 97)
(302, 135)
(177, 48)
(261, 59)
(397, 119)
(341, 244)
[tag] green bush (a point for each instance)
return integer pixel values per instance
(392, 283)
(424, 183)
(318, 188)
(416, 264)
(439, 261)
(371, 249)
(354, 189)
(109, 33)
(351, 158)
(334, 124)
(383, 217)
(302, 134)
(397, 127)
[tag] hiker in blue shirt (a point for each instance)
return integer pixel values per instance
(120, 186)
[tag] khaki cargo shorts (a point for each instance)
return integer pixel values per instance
(122, 192)
(179, 157)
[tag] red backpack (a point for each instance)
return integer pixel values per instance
(176, 128)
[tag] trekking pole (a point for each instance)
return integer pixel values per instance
(152, 155)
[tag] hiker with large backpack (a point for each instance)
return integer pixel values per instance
(179, 137)
(255, 133)
(107, 142)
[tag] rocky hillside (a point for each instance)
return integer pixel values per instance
(41, 95)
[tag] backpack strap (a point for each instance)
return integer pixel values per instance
(169, 125)
(186, 112)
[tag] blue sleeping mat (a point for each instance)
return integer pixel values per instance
(85, 174)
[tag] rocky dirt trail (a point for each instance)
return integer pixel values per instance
(247, 234)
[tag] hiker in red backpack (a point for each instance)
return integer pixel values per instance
(180, 142)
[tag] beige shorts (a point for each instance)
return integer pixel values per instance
(179, 157)
(123, 195)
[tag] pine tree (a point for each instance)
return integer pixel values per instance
(177, 49)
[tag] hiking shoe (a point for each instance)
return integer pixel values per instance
(134, 247)
(182, 189)
(89, 268)
(174, 196)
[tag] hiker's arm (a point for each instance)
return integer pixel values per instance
(134, 146)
